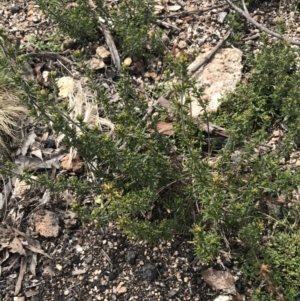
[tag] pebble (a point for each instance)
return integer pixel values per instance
(66, 292)
(112, 276)
(172, 293)
(49, 143)
(131, 257)
(89, 259)
(182, 44)
(15, 9)
(35, 19)
(149, 272)
(221, 16)
(122, 290)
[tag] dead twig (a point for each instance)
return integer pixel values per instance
(192, 69)
(253, 37)
(261, 27)
(23, 265)
(49, 55)
(111, 45)
(167, 25)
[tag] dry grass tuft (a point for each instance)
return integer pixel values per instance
(11, 111)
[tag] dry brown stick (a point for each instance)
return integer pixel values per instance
(22, 271)
(193, 69)
(245, 7)
(111, 45)
(262, 27)
(51, 55)
(167, 25)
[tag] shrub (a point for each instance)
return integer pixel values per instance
(132, 21)
(154, 185)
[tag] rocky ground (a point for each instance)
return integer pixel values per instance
(78, 262)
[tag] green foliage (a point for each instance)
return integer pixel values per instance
(155, 186)
(131, 21)
(79, 20)
(52, 42)
(134, 25)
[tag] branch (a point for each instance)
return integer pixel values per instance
(192, 69)
(111, 45)
(261, 27)
(51, 55)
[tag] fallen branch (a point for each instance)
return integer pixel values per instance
(167, 25)
(192, 69)
(51, 55)
(261, 27)
(255, 36)
(111, 45)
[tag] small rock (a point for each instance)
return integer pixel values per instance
(75, 259)
(68, 44)
(199, 281)
(112, 276)
(89, 259)
(131, 257)
(102, 52)
(172, 293)
(221, 16)
(182, 44)
(227, 263)
(190, 257)
(223, 298)
(46, 223)
(35, 19)
(149, 272)
(49, 143)
(127, 61)
(14, 9)
(70, 223)
(174, 7)
(96, 64)
(66, 292)
(122, 290)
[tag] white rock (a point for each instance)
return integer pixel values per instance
(220, 75)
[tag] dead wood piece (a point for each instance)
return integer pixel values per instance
(253, 37)
(167, 25)
(261, 27)
(111, 45)
(36, 250)
(209, 56)
(152, 108)
(23, 266)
